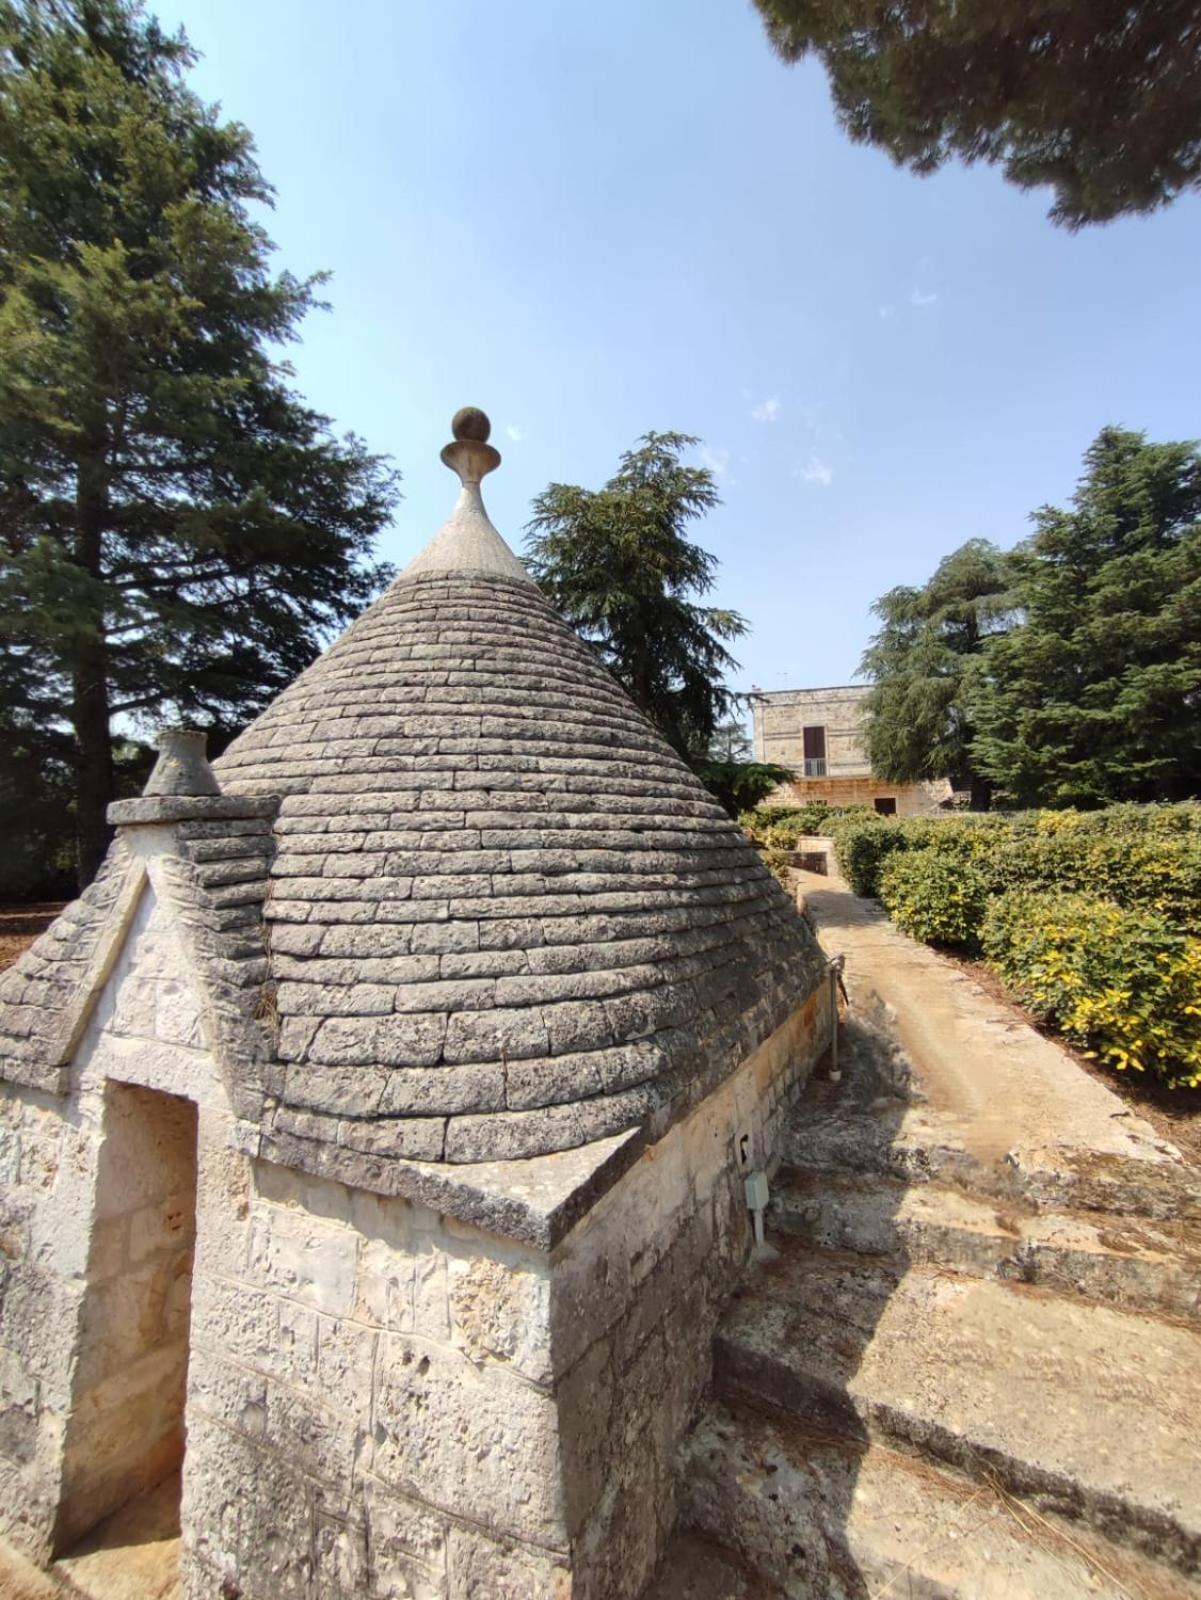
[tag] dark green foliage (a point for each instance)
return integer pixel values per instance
(739, 785)
(917, 724)
(1091, 919)
(616, 563)
(862, 847)
(178, 530)
(1124, 983)
(934, 898)
(731, 742)
(1095, 694)
(1099, 99)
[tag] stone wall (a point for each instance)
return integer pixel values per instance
(126, 1427)
(909, 799)
(382, 1401)
(637, 1288)
(780, 718)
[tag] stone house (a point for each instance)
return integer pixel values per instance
(375, 1132)
(818, 734)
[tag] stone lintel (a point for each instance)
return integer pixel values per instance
(169, 808)
(536, 1201)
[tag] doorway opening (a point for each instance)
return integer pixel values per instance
(125, 1434)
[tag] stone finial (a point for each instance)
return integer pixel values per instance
(182, 767)
(471, 456)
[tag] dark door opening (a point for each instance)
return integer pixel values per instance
(887, 807)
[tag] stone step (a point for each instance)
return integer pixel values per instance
(825, 1519)
(1131, 1262)
(697, 1568)
(1084, 1410)
(915, 1143)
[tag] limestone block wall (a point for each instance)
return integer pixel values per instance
(381, 1400)
(636, 1291)
(126, 1427)
(780, 717)
(371, 1408)
(96, 1224)
(910, 799)
(43, 1256)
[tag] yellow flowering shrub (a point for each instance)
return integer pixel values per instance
(1124, 984)
(934, 899)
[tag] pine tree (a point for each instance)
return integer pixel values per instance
(178, 530)
(1096, 695)
(1100, 99)
(616, 563)
(917, 723)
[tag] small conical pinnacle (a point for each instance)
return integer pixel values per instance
(471, 456)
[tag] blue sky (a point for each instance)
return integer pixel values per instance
(593, 220)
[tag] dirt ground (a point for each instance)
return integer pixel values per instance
(20, 926)
(1173, 1113)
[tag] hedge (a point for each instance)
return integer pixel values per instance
(1125, 985)
(1141, 857)
(933, 899)
(1091, 919)
(781, 827)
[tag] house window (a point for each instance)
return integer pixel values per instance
(887, 807)
(815, 752)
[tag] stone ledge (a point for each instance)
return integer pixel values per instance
(190, 808)
(536, 1201)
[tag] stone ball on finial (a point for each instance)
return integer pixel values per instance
(469, 422)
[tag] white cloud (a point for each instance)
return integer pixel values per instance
(816, 470)
(766, 410)
(515, 433)
(717, 460)
(918, 298)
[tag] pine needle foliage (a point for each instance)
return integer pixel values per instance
(917, 723)
(179, 531)
(1098, 99)
(1094, 696)
(617, 564)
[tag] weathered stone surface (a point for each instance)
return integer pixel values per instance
(573, 831)
(982, 1371)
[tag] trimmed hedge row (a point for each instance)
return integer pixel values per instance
(1142, 857)
(1092, 920)
(781, 827)
(1124, 984)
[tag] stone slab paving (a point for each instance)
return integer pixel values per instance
(1131, 1262)
(967, 1366)
(1088, 1410)
(824, 1520)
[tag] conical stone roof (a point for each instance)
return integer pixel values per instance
(505, 918)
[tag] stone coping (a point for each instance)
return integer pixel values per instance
(535, 1201)
(190, 808)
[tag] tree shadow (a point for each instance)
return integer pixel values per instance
(838, 1258)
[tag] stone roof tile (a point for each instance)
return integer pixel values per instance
(501, 916)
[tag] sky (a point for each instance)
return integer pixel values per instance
(595, 220)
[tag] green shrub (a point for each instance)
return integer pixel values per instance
(781, 827)
(1124, 984)
(1142, 857)
(862, 847)
(934, 899)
